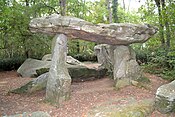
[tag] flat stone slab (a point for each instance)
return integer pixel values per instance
(78, 73)
(75, 28)
(30, 66)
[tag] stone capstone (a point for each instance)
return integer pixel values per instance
(165, 98)
(59, 80)
(126, 67)
(113, 34)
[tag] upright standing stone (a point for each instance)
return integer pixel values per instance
(126, 67)
(105, 56)
(59, 80)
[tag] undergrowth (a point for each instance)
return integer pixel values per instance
(159, 61)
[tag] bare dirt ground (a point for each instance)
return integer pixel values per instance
(84, 96)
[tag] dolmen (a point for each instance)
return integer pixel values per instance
(118, 36)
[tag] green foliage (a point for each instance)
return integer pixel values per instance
(11, 63)
(41, 71)
(18, 43)
(82, 50)
(16, 39)
(160, 62)
(156, 56)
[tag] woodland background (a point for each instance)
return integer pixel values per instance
(17, 43)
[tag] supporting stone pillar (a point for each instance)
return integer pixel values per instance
(59, 80)
(126, 67)
(105, 55)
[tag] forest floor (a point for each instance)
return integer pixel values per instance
(84, 96)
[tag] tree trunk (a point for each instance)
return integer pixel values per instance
(27, 2)
(168, 35)
(114, 11)
(161, 28)
(158, 3)
(124, 7)
(167, 32)
(129, 5)
(78, 46)
(62, 7)
(109, 10)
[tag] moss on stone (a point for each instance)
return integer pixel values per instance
(143, 79)
(38, 87)
(41, 71)
(122, 83)
(142, 82)
(141, 109)
(132, 109)
(164, 106)
(23, 89)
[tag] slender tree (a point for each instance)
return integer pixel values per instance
(163, 23)
(62, 4)
(158, 4)
(124, 7)
(109, 2)
(129, 5)
(114, 10)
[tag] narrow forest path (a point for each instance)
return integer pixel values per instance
(84, 96)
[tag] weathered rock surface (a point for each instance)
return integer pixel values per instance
(33, 67)
(165, 98)
(131, 108)
(84, 73)
(105, 55)
(59, 80)
(36, 84)
(113, 34)
(69, 59)
(47, 57)
(126, 67)
(33, 114)
(30, 66)
(72, 61)
(77, 72)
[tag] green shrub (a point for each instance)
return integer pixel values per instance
(11, 63)
(85, 57)
(142, 56)
(159, 61)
